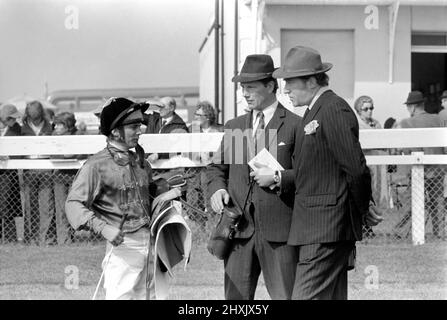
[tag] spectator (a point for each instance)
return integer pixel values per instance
(205, 119)
(97, 113)
(10, 203)
(443, 112)
(39, 203)
(205, 122)
(82, 128)
(64, 124)
(167, 121)
(364, 106)
(419, 118)
(49, 115)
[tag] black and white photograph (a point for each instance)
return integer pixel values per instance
(203, 150)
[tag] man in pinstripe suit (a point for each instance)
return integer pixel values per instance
(260, 242)
(332, 181)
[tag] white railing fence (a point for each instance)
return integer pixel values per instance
(190, 144)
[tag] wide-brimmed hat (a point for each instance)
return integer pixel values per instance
(301, 61)
(120, 111)
(9, 111)
(444, 94)
(256, 67)
(415, 97)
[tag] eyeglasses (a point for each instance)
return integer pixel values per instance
(366, 109)
(199, 114)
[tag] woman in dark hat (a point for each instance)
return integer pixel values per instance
(110, 196)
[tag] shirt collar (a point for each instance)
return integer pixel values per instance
(319, 93)
(167, 120)
(37, 128)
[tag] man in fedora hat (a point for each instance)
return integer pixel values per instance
(260, 240)
(332, 181)
(110, 196)
(419, 118)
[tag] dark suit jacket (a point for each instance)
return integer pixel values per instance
(274, 210)
(15, 130)
(47, 129)
(176, 125)
(332, 181)
(154, 124)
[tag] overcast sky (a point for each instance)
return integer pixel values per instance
(80, 44)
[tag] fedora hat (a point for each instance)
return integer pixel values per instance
(444, 94)
(301, 61)
(256, 67)
(415, 97)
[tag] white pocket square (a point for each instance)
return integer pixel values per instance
(281, 144)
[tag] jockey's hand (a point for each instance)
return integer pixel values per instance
(219, 199)
(170, 195)
(112, 234)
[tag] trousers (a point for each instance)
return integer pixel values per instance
(128, 268)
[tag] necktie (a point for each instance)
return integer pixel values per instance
(259, 128)
(306, 113)
(163, 123)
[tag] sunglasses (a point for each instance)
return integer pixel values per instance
(200, 115)
(366, 109)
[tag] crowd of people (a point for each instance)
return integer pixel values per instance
(434, 176)
(43, 192)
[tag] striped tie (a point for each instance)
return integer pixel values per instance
(259, 129)
(306, 113)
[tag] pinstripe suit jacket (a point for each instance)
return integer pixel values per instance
(231, 173)
(332, 181)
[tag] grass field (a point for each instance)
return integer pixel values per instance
(404, 272)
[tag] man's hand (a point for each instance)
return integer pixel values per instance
(219, 199)
(263, 175)
(113, 235)
(373, 217)
(169, 195)
(152, 157)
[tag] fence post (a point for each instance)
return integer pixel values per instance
(417, 202)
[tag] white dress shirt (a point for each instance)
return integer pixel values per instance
(268, 115)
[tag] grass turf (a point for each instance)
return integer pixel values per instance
(404, 272)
